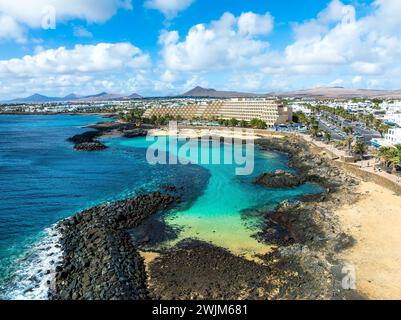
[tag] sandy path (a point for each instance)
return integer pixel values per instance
(375, 222)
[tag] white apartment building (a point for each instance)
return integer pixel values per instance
(271, 111)
(393, 137)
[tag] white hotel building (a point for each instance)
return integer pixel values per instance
(271, 111)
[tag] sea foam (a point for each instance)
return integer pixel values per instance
(35, 272)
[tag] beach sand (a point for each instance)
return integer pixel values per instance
(375, 223)
(195, 133)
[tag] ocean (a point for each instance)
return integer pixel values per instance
(43, 180)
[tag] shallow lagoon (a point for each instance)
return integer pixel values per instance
(217, 215)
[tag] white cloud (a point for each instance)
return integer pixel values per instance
(247, 81)
(82, 32)
(337, 82)
(252, 24)
(168, 76)
(10, 29)
(337, 47)
(317, 44)
(338, 44)
(366, 67)
(83, 68)
(29, 13)
(81, 59)
(229, 42)
(357, 80)
(170, 8)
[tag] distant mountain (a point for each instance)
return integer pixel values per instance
(134, 96)
(35, 98)
(103, 96)
(321, 92)
(340, 93)
(200, 92)
(71, 96)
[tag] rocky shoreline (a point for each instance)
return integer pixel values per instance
(279, 179)
(89, 140)
(313, 230)
(100, 261)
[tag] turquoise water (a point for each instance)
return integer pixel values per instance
(42, 179)
(217, 216)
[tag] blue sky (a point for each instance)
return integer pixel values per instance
(160, 47)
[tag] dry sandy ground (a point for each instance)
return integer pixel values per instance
(375, 223)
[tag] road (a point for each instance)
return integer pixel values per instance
(337, 133)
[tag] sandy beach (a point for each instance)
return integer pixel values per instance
(375, 223)
(195, 132)
(191, 133)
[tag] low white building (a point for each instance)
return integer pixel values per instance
(301, 107)
(392, 138)
(392, 118)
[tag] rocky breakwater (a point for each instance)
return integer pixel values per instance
(99, 258)
(89, 141)
(135, 133)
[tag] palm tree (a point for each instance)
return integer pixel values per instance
(395, 161)
(369, 119)
(243, 124)
(314, 130)
(348, 130)
(327, 136)
(360, 148)
(383, 128)
(233, 122)
(348, 142)
(391, 156)
(258, 124)
(384, 154)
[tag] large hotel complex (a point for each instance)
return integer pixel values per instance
(271, 111)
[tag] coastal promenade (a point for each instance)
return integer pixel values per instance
(368, 166)
(374, 221)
